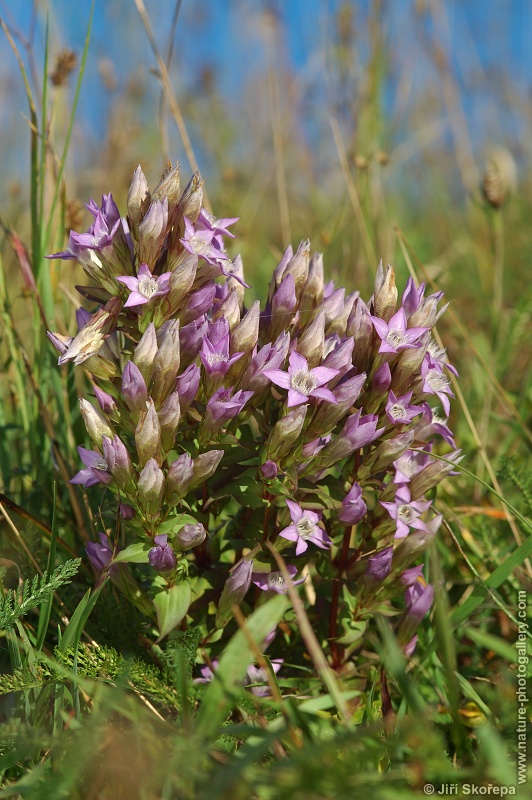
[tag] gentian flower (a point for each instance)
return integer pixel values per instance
(303, 382)
(304, 529)
(406, 512)
(202, 242)
(394, 335)
(274, 581)
(145, 286)
(96, 469)
(435, 382)
(162, 557)
(353, 506)
(100, 555)
(379, 566)
(399, 410)
(214, 352)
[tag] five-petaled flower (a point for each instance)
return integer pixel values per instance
(304, 528)
(395, 335)
(303, 382)
(145, 286)
(406, 512)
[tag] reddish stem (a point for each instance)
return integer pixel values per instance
(337, 650)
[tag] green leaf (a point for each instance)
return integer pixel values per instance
(136, 553)
(236, 658)
(171, 604)
(74, 629)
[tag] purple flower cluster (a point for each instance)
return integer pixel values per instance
(315, 415)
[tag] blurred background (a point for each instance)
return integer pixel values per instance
(394, 130)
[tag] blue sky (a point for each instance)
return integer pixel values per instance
(486, 38)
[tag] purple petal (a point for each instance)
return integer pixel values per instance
(278, 377)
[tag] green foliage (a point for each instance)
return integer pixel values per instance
(33, 593)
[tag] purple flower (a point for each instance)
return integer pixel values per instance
(269, 470)
(221, 408)
(100, 555)
(353, 506)
(379, 566)
(162, 557)
(274, 581)
(269, 357)
(406, 512)
(215, 349)
(394, 334)
(191, 338)
(235, 589)
(430, 425)
(96, 469)
(190, 536)
(418, 599)
(399, 410)
(435, 382)
(304, 529)
(145, 286)
(303, 382)
(187, 385)
(203, 242)
(409, 464)
(218, 227)
(257, 678)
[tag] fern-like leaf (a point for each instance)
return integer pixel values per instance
(33, 592)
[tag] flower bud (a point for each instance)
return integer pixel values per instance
(190, 536)
(106, 402)
(285, 432)
(181, 281)
(191, 338)
(192, 199)
(340, 358)
(237, 283)
(134, 389)
(148, 435)
(353, 506)
(150, 487)
(179, 478)
(328, 414)
(282, 307)
(382, 379)
(387, 452)
(339, 322)
(187, 385)
(229, 309)
(234, 590)
(385, 293)
(433, 474)
(198, 303)
(408, 365)
(162, 557)
(360, 327)
(95, 422)
(298, 266)
(168, 187)
(378, 567)
(313, 290)
(244, 336)
(205, 465)
(311, 342)
(269, 470)
(169, 417)
(166, 364)
(333, 305)
(138, 199)
(151, 233)
(145, 352)
(119, 462)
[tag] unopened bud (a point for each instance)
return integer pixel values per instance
(144, 353)
(150, 488)
(311, 342)
(314, 286)
(244, 336)
(168, 187)
(95, 422)
(152, 232)
(169, 416)
(205, 466)
(298, 266)
(179, 477)
(229, 309)
(192, 199)
(138, 200)
(162, 557)
(285, 432)
(190, 536)
(148, 435)
(166, 364)
(234, 590)
(385, 293)
(134, 389)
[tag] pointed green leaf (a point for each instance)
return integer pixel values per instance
(171, 604)
(136, 553)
